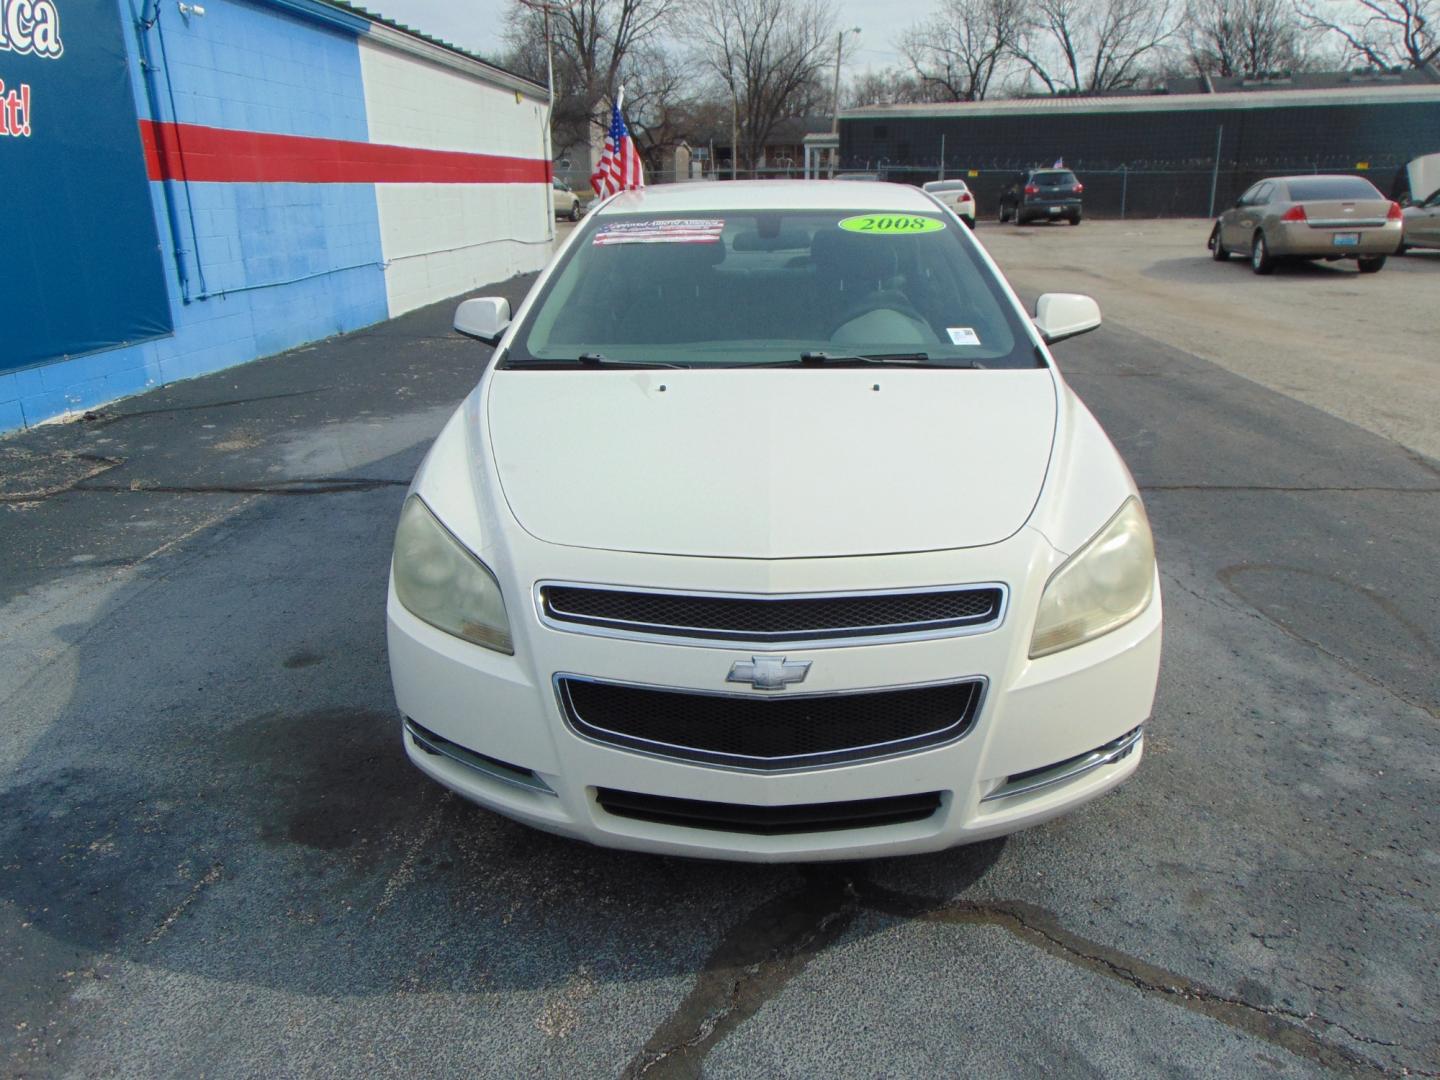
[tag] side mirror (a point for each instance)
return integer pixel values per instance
(1063, 315)
(485, 317)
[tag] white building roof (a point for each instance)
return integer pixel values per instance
(1144, 103)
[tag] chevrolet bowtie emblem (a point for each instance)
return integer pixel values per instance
(768, 672)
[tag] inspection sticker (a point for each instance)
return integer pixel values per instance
(962, 335)
(679, 231)
(891, 224)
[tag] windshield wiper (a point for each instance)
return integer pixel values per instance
(592, 359)
(872, 358)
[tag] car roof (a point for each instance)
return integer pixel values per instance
(723, 195)
(1313, 176)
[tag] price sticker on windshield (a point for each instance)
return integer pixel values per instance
(891, 224)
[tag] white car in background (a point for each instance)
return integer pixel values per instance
(955, 194)
(564, 201)
(772, 532)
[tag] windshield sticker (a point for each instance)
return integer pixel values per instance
(891, 224)
(962, 335)
(687, 231)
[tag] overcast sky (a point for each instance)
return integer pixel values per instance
(477, 25)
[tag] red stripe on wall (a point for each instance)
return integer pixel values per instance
(223, 155)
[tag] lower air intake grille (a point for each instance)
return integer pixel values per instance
(769, 820)
(784, 731)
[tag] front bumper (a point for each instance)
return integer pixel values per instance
(1039, 718)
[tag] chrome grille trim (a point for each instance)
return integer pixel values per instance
(824, 637)
(1070, 769)
(493, 768)
(853, 755)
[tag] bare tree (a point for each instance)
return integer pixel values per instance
(770, 57)
(892, 86)
(1089, 46)
(592, 40)
(957, 51)
(1243, 37)
(661, 106)
(1385, 33)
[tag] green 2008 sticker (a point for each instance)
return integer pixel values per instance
(891, 224)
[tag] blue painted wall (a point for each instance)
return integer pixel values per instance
(269, 266)
(77, 243)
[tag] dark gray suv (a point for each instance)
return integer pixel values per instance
(1050, 194)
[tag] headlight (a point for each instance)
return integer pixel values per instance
(1101, 587)
(439, 581)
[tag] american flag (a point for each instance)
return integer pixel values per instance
(619, 168)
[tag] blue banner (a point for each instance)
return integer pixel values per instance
(80, 266)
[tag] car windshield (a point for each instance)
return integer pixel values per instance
(946, 185)
(1055, 178)
(731, 289)
(1332, 187)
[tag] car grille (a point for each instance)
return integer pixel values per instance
(770, 732)
(760, 620)
(769, 820)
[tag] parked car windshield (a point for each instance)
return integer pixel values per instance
(946, 185)
(1054, 178)
(1332, 187)
(728, 289)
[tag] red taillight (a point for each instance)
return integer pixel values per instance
(1031, 189)
(1394, 214)
(1079, 188)
(1295, 213)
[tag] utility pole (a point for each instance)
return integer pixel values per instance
(839, 45)
(1215, 173)
(734, 132)
(545, 7)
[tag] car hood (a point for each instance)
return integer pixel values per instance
(773, 463)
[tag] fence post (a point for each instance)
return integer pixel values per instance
(1215, 173)
(1124, 188)
(942, 157)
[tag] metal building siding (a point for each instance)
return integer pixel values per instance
(1174, 149)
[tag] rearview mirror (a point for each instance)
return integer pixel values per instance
(484, 317)
(1063, 315)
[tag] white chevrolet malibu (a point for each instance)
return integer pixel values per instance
(772, 532)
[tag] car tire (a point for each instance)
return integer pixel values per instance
(970, 221)
(1261, 261)
(1217, 246)
(1370, 264)
(1004, 217)
(1074, 219)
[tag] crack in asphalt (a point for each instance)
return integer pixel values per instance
(211, 876)
(1248, 609)
(98, 464)
(761, 954)
(98, 418)
(318, 485)
(1297, 489)
(1226, 576)
(752, 963)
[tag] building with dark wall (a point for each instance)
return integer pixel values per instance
(1154, 155)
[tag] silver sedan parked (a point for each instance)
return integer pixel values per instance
(1309, 217)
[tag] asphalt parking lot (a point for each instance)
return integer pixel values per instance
(215, 860)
